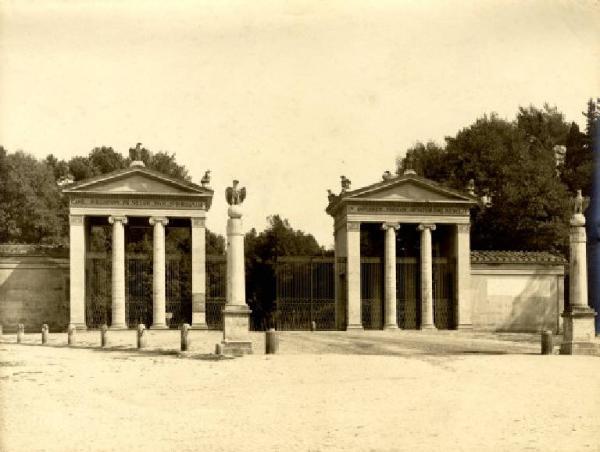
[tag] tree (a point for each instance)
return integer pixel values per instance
(425, 159)
(513, 163)
(29, 201)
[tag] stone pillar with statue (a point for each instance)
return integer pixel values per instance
(236, 314)
(579, 330)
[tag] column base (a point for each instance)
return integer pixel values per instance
(79, 326)
(236, 348)
(428, 328)
(390, 326)
(354, 326)
(464, 326)
(118, 327)
(579, 333)
(160, 326)
(199, 326)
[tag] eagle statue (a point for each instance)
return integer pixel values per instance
(580, 203)
(235, 195)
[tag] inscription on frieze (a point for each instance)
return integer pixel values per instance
(128, 202)
(434, 210)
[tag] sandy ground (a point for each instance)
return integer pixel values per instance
(324, 391)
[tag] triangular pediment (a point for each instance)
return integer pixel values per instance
(409, 190)
(136, 181)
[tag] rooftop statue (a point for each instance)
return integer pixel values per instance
(205, 181)
(330, 196)
(235, 196)
(345, 183)
(580, 203)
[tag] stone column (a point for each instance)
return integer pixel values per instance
(236, 314)
(426, 277)
(198, 274)
(579, 331)
(391, 320)
(462, 252)
(77, 270)
(159, 302)
(118, 273)
(340, 276)
(353, 302)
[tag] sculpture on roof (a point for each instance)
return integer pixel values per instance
(331, 196)
(205, 181)
(345, 182)
(235, 195)
(387, 175)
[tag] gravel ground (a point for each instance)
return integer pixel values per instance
(325, 391)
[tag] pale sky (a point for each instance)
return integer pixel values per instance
(284, 96)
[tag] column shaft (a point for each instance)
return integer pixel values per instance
(353, 276)
(159, 303)
(236, 286)
(463, 276)
(578, 289)
(198, 274)
(118, 272)
(77, 270)
(391, 319)
(426, 277)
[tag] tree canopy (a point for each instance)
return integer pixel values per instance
(519, 166)
(29, 201)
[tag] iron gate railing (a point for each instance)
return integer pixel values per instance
(444, 307)
(408, 281)
(138, 290)
(216, 290)
(371, 292)
(305, 292)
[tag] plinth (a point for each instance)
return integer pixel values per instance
(579, 332)
(236, 326)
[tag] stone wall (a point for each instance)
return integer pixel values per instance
(518, 297)
(34, 287)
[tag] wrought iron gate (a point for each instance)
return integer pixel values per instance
(444, 306)
(138, 290)
(371, 292)
(216, 290)
(304, 293)
(408, 312)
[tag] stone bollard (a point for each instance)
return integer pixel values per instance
(185, 337)
(71, 334)
(271, 341)
(547, 345)
(313, 326)
(45, 331)
(104, 335)
(20, 332)
(1, 332)
(218, 349)
(142, 340)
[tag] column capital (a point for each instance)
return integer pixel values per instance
(390, 225)
(424, 226)
(198, 222)
(353, 226)
(156, 220)
(463, 227)
(116, 218)
(76, 219)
